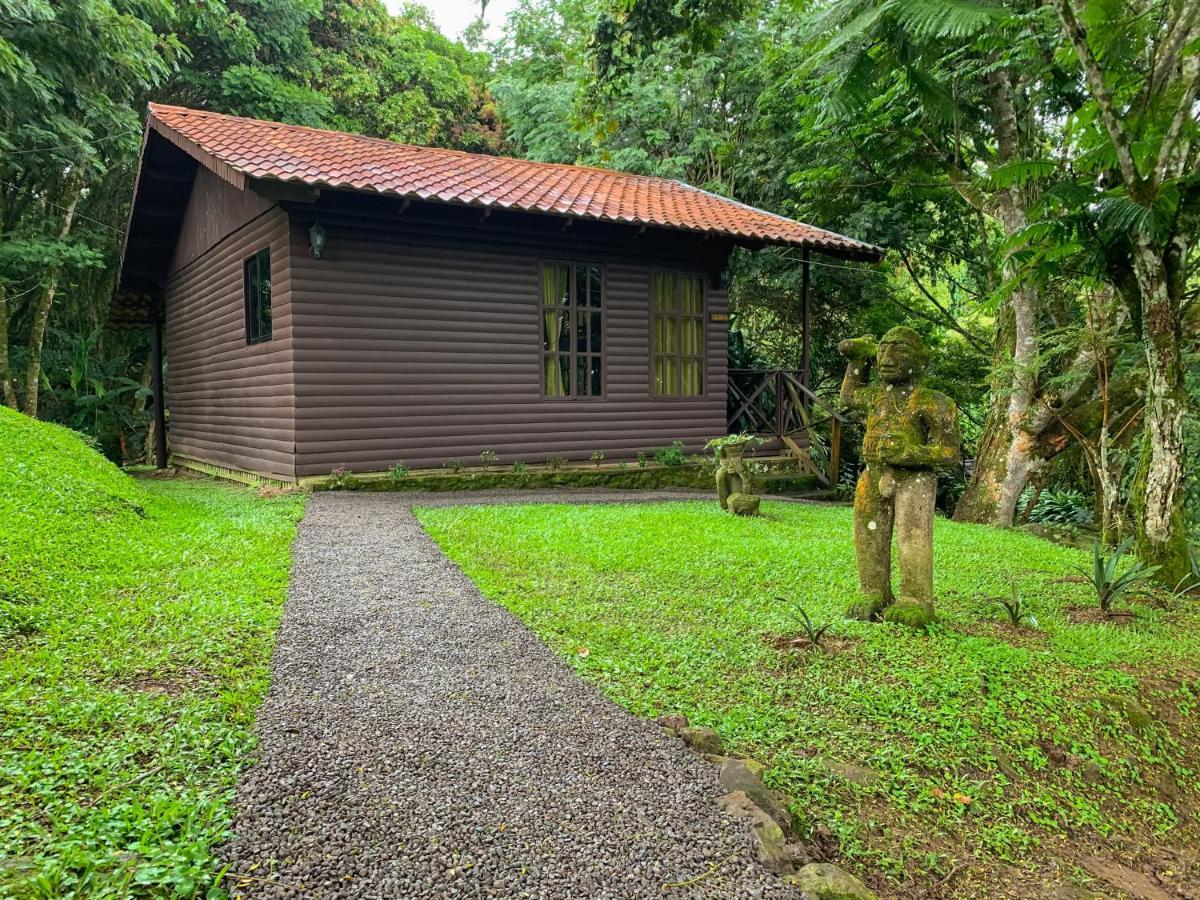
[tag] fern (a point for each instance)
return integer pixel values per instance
(944, 19)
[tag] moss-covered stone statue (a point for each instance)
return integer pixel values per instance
(735, 492)
(912, 432)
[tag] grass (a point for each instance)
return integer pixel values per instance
(137, 619)
(1000, 760)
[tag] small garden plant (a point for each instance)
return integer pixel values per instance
(812, 632)
(454, 465)
(399, 471)
(556, 462)
(1015, 609)
(597, 457)
(488, 458)
(519, 468)
(641, 459)
(343, 479)
(670, 456)
(1108, 580)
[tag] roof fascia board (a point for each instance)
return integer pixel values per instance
(221, 169)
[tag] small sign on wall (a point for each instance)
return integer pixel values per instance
(718, 317)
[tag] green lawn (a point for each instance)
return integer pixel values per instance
(1001, 760)
(137, 619)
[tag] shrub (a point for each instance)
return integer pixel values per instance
(670, 456)
(398, 471)
(597, 457)
(488, 458)
(556, 462)
(1104, 578)
(1065, 507)
(342, 478)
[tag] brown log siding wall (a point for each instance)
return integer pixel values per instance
(410, 347)
(230, 404)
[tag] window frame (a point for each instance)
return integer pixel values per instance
(573, 265)
(249, 317)
(678, 318)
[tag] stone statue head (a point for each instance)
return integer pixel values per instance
(902, 356)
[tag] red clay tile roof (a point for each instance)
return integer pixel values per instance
(252, 148)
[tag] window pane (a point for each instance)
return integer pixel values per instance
(554, 284)
(670, 375)
(693, 295)
(660, 376)
(564, 332)
(596, 379)
(551, 323)
(693, 337)
(581, 376)
(554, 386)
(693, 383)
(256, 273)
(581, 335)
(658, 291)
(672, 292)
(564, 373)
(671, 335)
(597, 331)
(595, 285)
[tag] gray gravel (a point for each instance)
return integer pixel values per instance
(419, 741)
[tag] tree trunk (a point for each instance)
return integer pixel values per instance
(10, 393)
(41, 316)
(1006, 455)
(1161, 536)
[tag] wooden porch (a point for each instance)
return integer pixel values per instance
(778, 406)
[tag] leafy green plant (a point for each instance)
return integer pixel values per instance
(622, 466)
(519, 467)
(488, 458)
(1065, 507)
(733, 440)
(1106, 579)
(812, 632)
(342, 478)
(556, 462)
(454, 465)
(1015, 608)
(399, 471)
(641, 459)
(670, 456)
(597, 457)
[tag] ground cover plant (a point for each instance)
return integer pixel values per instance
(137, 619)
(977, 760)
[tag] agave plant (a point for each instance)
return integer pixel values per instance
(1109, 584)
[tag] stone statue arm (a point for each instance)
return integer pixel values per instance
(859, 353)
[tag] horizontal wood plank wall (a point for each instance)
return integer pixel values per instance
(420, 349)
(231, 404)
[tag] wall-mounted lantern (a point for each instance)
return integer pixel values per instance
(316, 239)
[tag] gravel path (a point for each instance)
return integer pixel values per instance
(419, 741)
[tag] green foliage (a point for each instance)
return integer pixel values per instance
(1061, 506)
(597, 457)
(137, 620)
(488, 458)
(343, 479)
(1015, 609)
(641, 459)
(668, 456)
(454, 465)
(1109, 580)
(977, 737)
(399, 471)
(519, 468)
(812, 632)
(556, 462)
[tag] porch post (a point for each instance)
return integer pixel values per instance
(160, 407)
(806, 321)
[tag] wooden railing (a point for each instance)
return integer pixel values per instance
(776, 404)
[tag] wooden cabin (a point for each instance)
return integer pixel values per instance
(328, 299)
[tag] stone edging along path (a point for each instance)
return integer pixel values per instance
(419, 741)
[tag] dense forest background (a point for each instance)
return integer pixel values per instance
(1031, 166)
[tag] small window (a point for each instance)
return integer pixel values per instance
(572, 330)
(677, 305)
(258, 296)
